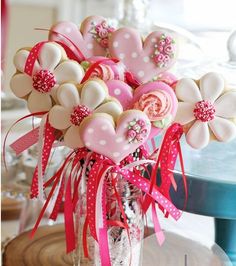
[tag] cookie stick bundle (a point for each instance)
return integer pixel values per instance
(112, 96)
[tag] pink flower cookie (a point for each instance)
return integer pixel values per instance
(51, 69)
(101, 134)
(206, 109)
(91, 39)
(147, 59)
(76, 104)
(158, 101)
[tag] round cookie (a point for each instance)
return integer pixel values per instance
(50, 69)
(91, 39)
(115, 140)
(158, 101)
(145, 59)
(76, 104)
(206, 109)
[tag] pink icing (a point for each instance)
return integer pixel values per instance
(126, 44)
(78, 114)
(44, 81)
(98, 134)
(159, 87)
(156, 104)
(137, 131)
(121, 91)
(204, 111)
(83, 38)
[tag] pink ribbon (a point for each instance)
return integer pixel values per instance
(26, 141)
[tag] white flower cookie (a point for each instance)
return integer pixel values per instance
(78, 103)
(51, 69)
(206, 109)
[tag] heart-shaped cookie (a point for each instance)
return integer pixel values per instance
(91, 39)
(100, 134)
(144, 59)
(121, 91)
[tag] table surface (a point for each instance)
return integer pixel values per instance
(217, 162)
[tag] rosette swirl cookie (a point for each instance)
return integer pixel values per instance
(51, 69)
(206, 109)
(115, 138)
(91, 39)
(144, 59)
(76, 103)
(158, 101)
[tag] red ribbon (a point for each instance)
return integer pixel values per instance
(95, 65)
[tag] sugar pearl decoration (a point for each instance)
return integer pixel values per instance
(204, 111)
(78, 114)
(44, 81)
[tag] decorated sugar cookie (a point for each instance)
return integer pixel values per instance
(145, 59)
(76, 104)
(104, 68)
(158, 101)
(91, 39)
(51, 69)
(101, 134)
(121, 91)
(206, 109)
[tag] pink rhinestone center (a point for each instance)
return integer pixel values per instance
(44, 81)
(78, 114)
(204, 111)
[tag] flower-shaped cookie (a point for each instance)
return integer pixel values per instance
(51, 69)
(206, 109)
(76, 104)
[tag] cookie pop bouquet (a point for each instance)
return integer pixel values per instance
(106, 93)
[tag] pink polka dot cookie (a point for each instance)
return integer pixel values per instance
(91, 39)
(158, 101)
(206, 109)
(145, 59)
(50, 69)
(75, 104)
(101, 134)
(121, 91)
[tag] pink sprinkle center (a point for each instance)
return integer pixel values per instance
(43, 81)
(78, 114)
(204, 111)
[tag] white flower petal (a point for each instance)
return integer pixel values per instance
(20, 60)
(21, 85)
(72, 138)
(184, 113)
(211, 86)
(59, 117)
(226, 105)
(68, 95)
(69, 71)
(39, 102)
(188, 91)
(50, 56)
(198, 135)
(112, 108)
(93, 94)
(53, 93)
(223, 129)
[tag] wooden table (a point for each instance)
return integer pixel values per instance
(211, 177)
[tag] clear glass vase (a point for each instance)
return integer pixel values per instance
(125, 249)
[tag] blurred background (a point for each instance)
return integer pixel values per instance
(205, 30)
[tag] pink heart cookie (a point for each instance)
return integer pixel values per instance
(100, 134)
(121, 91)
(158, 101)
(144, 59)
(91, 38)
